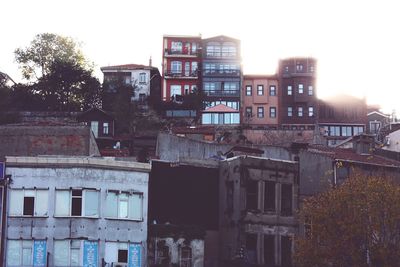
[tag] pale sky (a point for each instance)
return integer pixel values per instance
(356, 43)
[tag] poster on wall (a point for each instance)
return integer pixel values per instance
(90, 254)
(134, 259)
(39, 253)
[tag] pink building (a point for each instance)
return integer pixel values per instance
(260, 101)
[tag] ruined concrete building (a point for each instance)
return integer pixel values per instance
(258, 199)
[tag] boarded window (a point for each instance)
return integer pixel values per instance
(77, 202)
(91, 203)
(28, 202)
(62, 203)
(251, 194)
(269, 250)
(286, 200)
(124, 206)
(251, 248)
(286, 249)
(269, 196)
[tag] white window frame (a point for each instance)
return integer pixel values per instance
(300, 111)
(301, 88)
(290, 112)
(249, 90)
(260, 112)
(272, 90)
(128, 198)
(142, 77)
(176, 67)
(106, 128)
(176, 46)
(272, 112)
(22, 244)
(72, 246)
(310, 90)
(310, 111)
(260, 90)
(290, 90)
(174, 89)
(17, 209)
(70, 203)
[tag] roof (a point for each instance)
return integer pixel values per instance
(349, 155)
(220, 108)
(128, 67)
(94, 113)
(378, 113)
(181, 36)
(70, 140)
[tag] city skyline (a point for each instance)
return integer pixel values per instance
(352, 41)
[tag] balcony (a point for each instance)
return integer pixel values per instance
(233, 93)
(181, 75)
(219, 73)
(181, 53)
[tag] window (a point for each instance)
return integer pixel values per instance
(311, 68)
(176, 47)
(301, 88)
(28, 202)
(269, 250)
(123, 252)
(269, 196)
(286, 199)
(176, 67)
(213, 50)
(209, 68)
(272, 90)
(67, 252)
(286, 251)
(290, 111)
(300, 111)
(194, 48)
(249, 112)
(193, 88)
(186, 88)
(334, 131)
(299, 67)
(228, 50)
(374, 126)
(289, 90)
(248, 90)
(176, 90)
(358, 130)
(187, 68)
(124, 205)
(77, 202)
(272, 112)
(286, 69)
(310, 90)
(162, 255)
(310, 111)
(260, 89)
(251, 248)
(194, 69)
(185, 257)
(142, 77)
(20, 252)
(260, 112)
(346, 130)
(252, 195)
(106, 128)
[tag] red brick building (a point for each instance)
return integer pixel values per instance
(180, 65)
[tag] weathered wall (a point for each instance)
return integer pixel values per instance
(172, 148)
(50, 227)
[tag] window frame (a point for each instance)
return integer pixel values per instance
(129, 203)
(272, 90)
(289, 90)
(249, 90)
(260, 90)
(300, 88)
(260, 112)
(290, 111)
(142, 78)
(272, 112)
(83, 202)
(300, 111)
(310, 90)
(22, 204)
(310, 111)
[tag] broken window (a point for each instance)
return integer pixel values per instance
(186, 257)
(251, 248)
(77, 202)
(124, 205)
(269, 196)
(28, 202)
(286, 251)
(251, 194)
(286, 199)
(269, 250)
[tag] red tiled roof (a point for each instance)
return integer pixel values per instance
(348, 154)
(220, 108)
(126, 67)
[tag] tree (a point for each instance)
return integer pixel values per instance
(36, 60)
(355, 224)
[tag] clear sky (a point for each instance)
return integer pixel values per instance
(357, 43)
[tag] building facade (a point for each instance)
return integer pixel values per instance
(81, 211)
(180, 65)
(298, 101)
(221, 78)
(260, 94)
(258, 199)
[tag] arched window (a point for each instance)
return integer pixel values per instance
(185, 258)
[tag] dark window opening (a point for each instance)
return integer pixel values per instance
(251, 194)
(269, 196)
(269, 250)
(76, 204)
(122, 255)
(162, 254)
(251, 248)
(286, 201)
(286, 248)
(29, 204)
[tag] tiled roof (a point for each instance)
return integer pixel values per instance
(220, 108)
(127, 67)
(348, 154)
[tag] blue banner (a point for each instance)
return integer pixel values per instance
(90, 254)
(134, 258)
(39, 253)
(2, 170)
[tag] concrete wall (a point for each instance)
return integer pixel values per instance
(100, 174)
(172, 148)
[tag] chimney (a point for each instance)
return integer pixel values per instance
(150, 61)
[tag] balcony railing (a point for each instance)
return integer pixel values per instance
(221, 73)
(183, 52)
(222, 92)
(193, 74)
